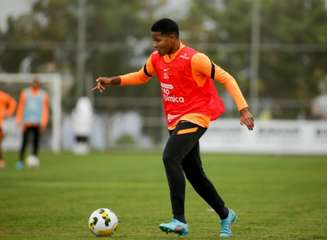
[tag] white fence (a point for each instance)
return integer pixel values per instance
(268, 137)
(223, 136)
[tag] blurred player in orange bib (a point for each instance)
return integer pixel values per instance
(190, 100)
(32, 115)
(7, 108)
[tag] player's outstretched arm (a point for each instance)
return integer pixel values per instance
(134, 78)
(103, 82)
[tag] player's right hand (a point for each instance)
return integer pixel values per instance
(100, 84)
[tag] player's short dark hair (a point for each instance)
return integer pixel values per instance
(166, 26)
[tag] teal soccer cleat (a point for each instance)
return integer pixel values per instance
(19, 165)
(175, 226)
(225, 230)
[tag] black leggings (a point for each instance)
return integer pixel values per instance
(181, 156)
(35, 132)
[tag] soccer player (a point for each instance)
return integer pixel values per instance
(190, 102)
(7, 108)
(32, 114)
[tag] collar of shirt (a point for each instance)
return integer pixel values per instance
(171, 57)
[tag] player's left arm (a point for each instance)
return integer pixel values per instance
(201, 64)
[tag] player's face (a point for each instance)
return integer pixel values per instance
(36, 84)
(163, 43)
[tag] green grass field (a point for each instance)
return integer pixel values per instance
(276, 197)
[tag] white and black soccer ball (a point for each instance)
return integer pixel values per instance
(32, 161)
(103, 222)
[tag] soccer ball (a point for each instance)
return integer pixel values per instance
(103, 222)
(32, 161)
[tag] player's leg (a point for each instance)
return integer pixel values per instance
(195, 174)
(2, 161)
(36, 140)
(20, 162)
(180, 142)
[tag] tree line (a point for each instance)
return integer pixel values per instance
(292, 42)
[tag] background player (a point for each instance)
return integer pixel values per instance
(7, 108)
(32, 114)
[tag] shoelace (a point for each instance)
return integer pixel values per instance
(225, 226)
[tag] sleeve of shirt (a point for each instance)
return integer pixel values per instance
(140, 77)
(11, 106)
(202, 65)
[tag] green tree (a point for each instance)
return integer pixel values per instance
(49, 33)
(292, 34)
(292, 49)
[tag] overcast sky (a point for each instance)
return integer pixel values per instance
(12, 7)
(15, 7)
